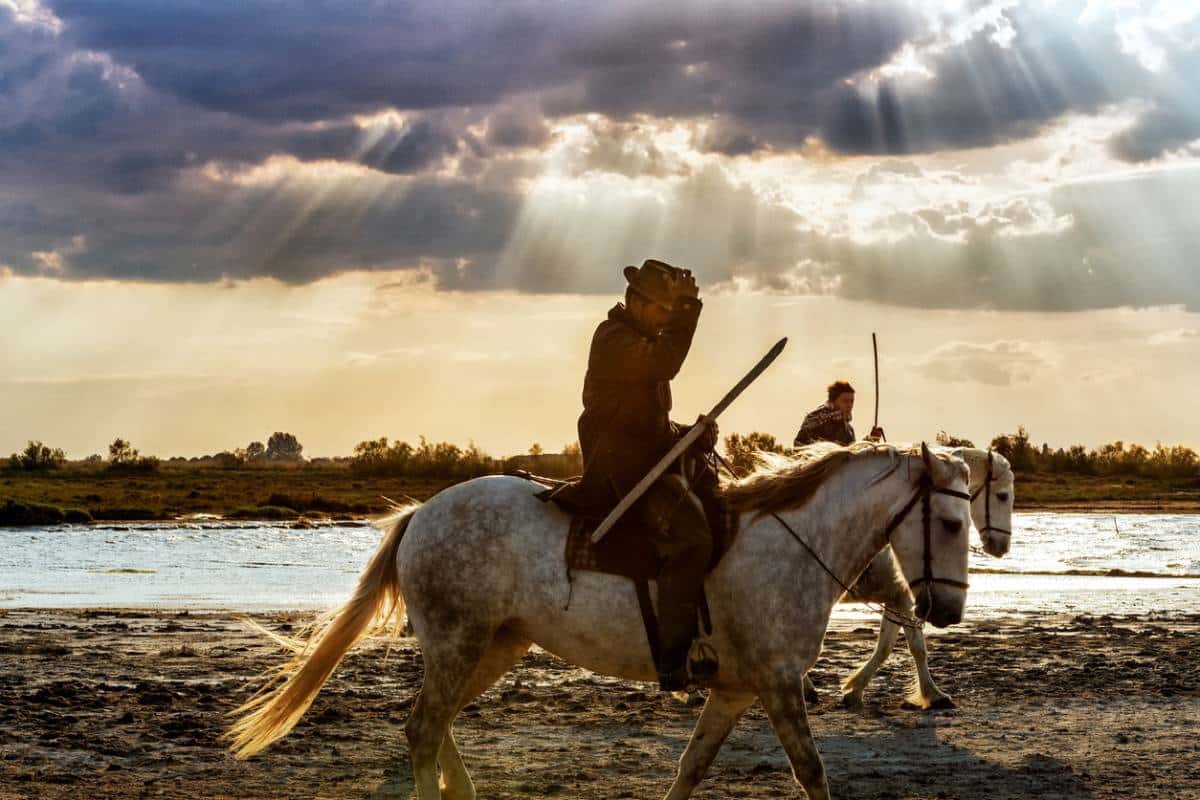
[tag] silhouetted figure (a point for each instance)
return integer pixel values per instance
(625, 430)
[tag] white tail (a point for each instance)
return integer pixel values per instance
(377, 604)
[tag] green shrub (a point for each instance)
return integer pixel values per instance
(264, 512)
(19, 514)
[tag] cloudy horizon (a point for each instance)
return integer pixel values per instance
(351, 220)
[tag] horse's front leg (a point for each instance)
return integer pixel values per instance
(925, 694)
(856, 684)
(785, 709)
(721, 713)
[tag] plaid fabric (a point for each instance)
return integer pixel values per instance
(626, 550)
(824, 424)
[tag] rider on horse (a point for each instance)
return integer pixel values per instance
(830, 421)
(625, 430)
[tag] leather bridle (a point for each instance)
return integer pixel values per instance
(923, 495)
(987, 499)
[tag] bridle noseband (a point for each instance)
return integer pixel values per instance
(987, 499)
(923, 495)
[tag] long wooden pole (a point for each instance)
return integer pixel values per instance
(875, 348)
(685, 442)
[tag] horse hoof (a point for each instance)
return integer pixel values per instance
(942, 703)
(852, 701)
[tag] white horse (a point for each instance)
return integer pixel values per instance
(883, 582)
(480, 567)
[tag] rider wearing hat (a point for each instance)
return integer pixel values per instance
(625, 430)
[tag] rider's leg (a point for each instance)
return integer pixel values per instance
(685, 546)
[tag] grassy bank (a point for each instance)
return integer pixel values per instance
(81, 493)
(251, 493)
(1106, 494)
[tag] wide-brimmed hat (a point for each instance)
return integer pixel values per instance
(655, 281)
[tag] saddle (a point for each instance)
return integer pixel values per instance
(628, 548)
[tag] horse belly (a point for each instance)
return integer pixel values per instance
(593, 622)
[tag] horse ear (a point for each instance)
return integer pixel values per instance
(932, 465)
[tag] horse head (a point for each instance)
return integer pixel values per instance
(930, 537)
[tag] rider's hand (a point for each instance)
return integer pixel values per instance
(708, 439)
(685, 285)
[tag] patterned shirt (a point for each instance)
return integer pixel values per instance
(825, 423)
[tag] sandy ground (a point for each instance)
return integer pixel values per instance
(130, 704)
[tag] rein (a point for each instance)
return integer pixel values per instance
(924, 494)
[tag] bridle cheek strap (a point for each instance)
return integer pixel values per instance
(924, 493)
(986, 489)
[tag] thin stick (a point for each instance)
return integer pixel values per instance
(875, 348)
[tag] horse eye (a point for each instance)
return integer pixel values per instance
(1002, 497)
(951, 525)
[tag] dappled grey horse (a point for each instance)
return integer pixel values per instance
(884, 582)
(480, 568)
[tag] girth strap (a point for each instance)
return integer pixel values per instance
(649, 620)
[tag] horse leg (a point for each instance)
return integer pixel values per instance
(811, 695)
(853, 687)
(785, 709)
(925, 693)
(721, 712)
(450, 663)
(505, 650)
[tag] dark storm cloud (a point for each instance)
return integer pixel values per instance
(124, 136)
(759, 65)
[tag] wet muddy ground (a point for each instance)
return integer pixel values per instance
(131, 704)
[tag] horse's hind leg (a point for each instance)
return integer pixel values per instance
(785, 709)
(925, 693)
(721, 713)
(505, 650)
(856, 684)
(450, 662)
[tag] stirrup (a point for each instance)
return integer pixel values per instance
(699, 669)
(703, 665)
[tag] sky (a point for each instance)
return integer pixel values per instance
(358, 219)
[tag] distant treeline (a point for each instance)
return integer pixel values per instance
(1115, 458)
(447, 461)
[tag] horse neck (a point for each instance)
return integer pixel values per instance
(845, 520)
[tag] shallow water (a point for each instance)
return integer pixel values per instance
(272, 566)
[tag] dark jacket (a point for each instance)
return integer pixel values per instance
(625, 426)
(824, 424)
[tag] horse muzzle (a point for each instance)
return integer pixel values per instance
(940, 606)
(996, 541)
